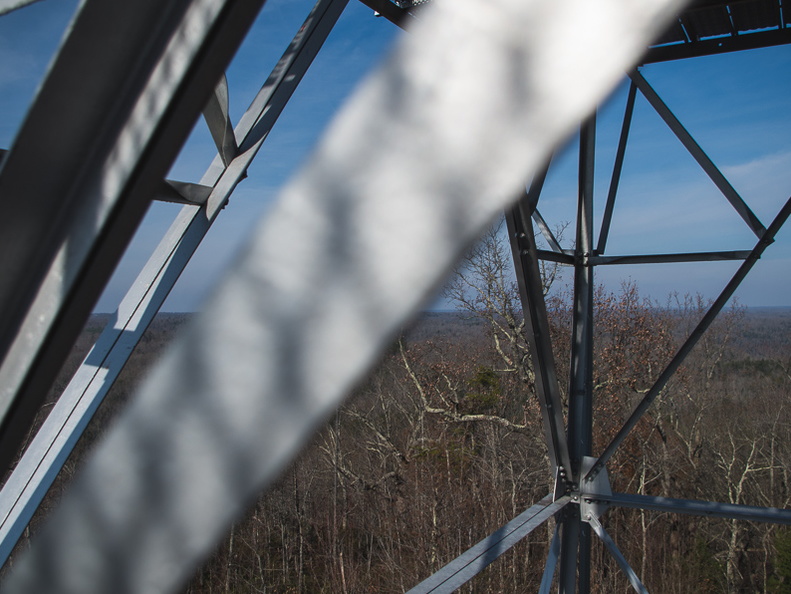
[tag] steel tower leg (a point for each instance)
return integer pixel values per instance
(576, 523)
(575, 550)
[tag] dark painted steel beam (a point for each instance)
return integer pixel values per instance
(710, 509)
(531, 292)
(552, 562)
(560, 258)
(615, 180)
(670, 258)
(575, 542)
(581, 379)
(536, 186)
(723, 298)
(546, 232)
(533, 193)
(637, 584)
(698, 154)
(393, 13)
(569, 522)
(719, 45)
(580, 423)
(470, 563)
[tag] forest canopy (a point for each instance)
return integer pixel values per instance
(443, 444)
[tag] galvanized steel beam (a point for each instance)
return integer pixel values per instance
(255, 374)
(219, 122)
(49, 449)
(470, 563)
(107, 141)
(183, 193)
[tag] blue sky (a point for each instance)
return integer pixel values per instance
(737, 108)
(735, 105)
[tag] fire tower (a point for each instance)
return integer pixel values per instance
(91, 156)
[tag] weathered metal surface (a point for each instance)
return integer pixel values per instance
(637, 584)
(696, 508)
(470, 563)
(43, 459)
(711, 314)
(531, 292)
(310, 305)
(107, 141)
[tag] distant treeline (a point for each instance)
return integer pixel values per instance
(443, 444)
